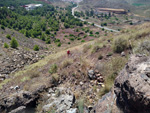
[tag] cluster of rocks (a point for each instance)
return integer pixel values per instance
(95, 75)
(61, 100)
(18, 59)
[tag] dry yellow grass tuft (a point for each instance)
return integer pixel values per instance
(66, 63)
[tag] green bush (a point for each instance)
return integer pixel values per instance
(97, 33)
(82, 40)
(6, 45)
(36, 48)
(14, 43)
(59, 44)
(78, 38)
(8, 36)
(72, 39)
(53, 69)
(3, 27)
(57, 40)
(85, 36)
(48, 40)
(120, 44)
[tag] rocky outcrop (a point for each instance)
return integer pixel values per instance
(20, 100)
(18, 59)
(61, 100)
(131, 91)
(132, 86)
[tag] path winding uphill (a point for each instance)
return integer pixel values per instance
(106, 28)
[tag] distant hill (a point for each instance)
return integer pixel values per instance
(139, 7)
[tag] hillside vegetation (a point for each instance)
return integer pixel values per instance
(102, 55)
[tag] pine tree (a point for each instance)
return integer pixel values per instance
(14, 43)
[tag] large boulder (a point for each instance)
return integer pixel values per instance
(132, 86)
(131, 91)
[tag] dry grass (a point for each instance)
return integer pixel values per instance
(110, 71)
(55, 79)
(66, 63)
(86, 48)
(120, 44)
(97, 47)
(53, 69)
(143, 47)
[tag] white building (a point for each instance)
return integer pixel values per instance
(32, 6)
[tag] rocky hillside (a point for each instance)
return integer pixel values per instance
(74, 83)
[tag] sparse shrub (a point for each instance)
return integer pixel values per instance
(14, 43)
(55, 79)
(3, 27)
(78, 38)
(77, 30)
(53, 69)
(91, 32)
(144, 47)
(59, 44)
(66, 35)
(8, 36)
(6, 45)
(82, 40)
(85, 36)
(86, 48)
(36, 48)
(96, 48)
(120, 44)
(71, 35)
(25, 79)
(57, 40)
(104, 90)
(48, 40)
(69, 43)
(97, 33)
(91, 35)
(34, 74)
(109, 54)
(103, 29)
(66, 63)
(72, 39)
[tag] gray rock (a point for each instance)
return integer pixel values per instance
(18, 110)
(72, 110)
(123, 54)
(132, 86)
(91, 74)
(62, 102)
